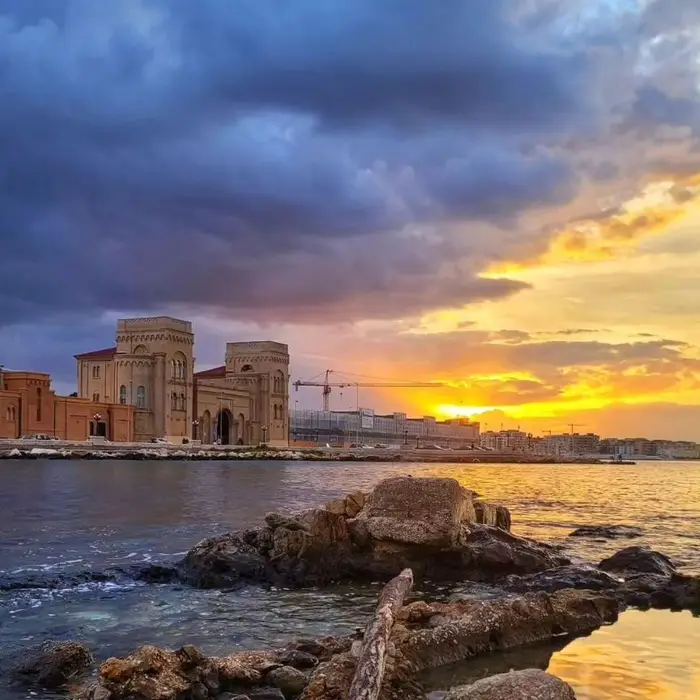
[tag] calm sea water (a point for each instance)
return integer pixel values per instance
(65, 517)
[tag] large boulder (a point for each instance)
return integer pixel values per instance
(223, 562)
(639, 560)
(431, 525)
(530, 684)
(48, 665)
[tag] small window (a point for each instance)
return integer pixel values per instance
(182, 402)
(14, 413)
(122, 395)
(141, 397)
(96, 398)
(247, 368)
(38, 404)
(275, 411)
(9, 413)
(173, 401)
(95, 371)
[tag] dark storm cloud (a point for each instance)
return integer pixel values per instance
(262, 157)
(276, 160)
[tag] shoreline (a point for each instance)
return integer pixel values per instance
(60, 450)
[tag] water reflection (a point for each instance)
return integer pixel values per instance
(644, 656)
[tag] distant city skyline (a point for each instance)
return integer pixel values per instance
(500, 196)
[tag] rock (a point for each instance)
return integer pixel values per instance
(607, 532)
(531, 684)
(49, 665)
(639, 560)
(489, 514)
(675, 592)
(266, 694)
(223, 562)
(579, 577)
(290, 681)
(489, 553)
(456, 632)
(418, 511)
(430, 525)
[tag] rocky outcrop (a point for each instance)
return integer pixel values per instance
(433, 526)
(638, 560)
(49, 665)
(577, 577)
(531, 684)
(403, 641)
(607, 532)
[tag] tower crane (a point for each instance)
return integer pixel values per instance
(574, 425)
(327, 385)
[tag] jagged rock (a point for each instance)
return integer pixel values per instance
(431, 525)
(223, 562)
(428, 636)
(675, 592)
(579, 577)
(531, 684)
(607, 532)
(451, 632)
(49, 665)
(290, 681)
(639, 560)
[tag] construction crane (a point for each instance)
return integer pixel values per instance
(327, 385)
(571, 426)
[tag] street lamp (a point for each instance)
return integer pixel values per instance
(195, 425)
(264, 434)
(405, 436)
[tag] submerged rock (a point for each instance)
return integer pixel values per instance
(578, 577)
(639, 560)
(49, 665)
(607, 532)
(432, 525)
(531, 684)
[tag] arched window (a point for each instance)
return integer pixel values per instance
(173, 369)
(183, 369)
(38, 404)
(173, 401)
(9, 413)
(275, 411)
(141, 397)
(281, 413)
(182, 402)
(14, 413)
(279, 382)
(122, 395)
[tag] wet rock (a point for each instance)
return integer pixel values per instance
(607, 532)
(639, 560)
(223, 562)
(530, 684)
(578, 577)
(675, 592)
(452, 632)
(49, 665)
(431, 525)
(289, 680)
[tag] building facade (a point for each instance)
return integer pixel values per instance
(28, 406)
(344, 428)
(151, 368)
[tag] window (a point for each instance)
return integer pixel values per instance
(247, 368)
(281, 414)
(14, 413)
(95, 371)
(182, 402)
(122, 394)
(173, 401)
(173, 369)
(38, 404)
(275, 410)
(141, 397)
(96, 398)
(9, 413)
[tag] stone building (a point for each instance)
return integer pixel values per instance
(28, 406)
(151, 367)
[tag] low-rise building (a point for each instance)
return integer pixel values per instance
(29, 406)
(506, 441)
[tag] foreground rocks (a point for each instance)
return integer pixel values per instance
(531, 684)
(399, 643)
(49, 665)
(433, 526)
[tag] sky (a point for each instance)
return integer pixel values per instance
(501, 197)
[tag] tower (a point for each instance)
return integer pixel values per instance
(154, 371)
(262, 369)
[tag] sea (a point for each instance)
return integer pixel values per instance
(61, 518)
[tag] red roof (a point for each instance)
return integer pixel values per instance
(105, 354)
(213, 373)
